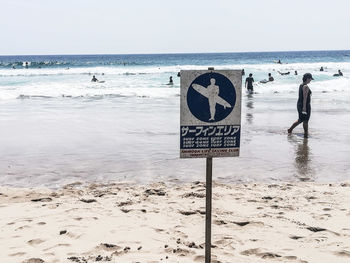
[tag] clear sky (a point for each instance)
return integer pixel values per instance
(172, 26)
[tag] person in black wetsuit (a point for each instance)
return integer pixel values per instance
(339, 74)
(303, 105)
(94, 79)
(284, 73)
(271, 78)
(249, 83)
(171, 82)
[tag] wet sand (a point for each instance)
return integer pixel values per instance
(122, 222)
(143, 146)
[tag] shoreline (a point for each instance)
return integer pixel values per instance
(159, 222)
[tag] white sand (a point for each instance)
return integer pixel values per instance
(299, 222)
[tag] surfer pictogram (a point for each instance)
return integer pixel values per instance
(212, 94)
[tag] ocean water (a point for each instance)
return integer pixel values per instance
(56, 126)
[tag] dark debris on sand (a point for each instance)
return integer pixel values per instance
(78, 259)
(106, 245)
(129, 202)
(159, 192)
(192, 194)
(62, 232)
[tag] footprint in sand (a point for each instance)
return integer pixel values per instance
(342, 253)
(182, 252)
(74, 236)
(187, 213)
(201, 258)
(291, 257)
(17, 254)
(258, 253)
(44, 199)
(58, 245)
(220, 222)
(180, 233)
(295, 237)
(22, 227)
(241, 223)
(36, 241)
(124, 203)
(224, 243)
(159, 230)
(108, 247)
(33, 260)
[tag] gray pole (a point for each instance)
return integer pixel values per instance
(208, 196)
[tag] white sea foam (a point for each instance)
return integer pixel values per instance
(151, 86)
(330, 69)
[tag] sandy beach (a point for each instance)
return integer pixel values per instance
(124, 222)
(116, 116)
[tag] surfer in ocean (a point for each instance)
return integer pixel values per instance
(94, 79)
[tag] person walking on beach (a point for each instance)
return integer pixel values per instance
(249, 83)
(303, 105)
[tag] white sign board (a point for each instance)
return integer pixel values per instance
(210, 115)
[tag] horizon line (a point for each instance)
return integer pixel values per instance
(176, 53)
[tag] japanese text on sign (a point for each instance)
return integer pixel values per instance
(202, 136)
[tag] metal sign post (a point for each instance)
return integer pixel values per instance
(208, 198)
(210, 123)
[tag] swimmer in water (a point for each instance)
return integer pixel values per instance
(94, 79)
(171, 82)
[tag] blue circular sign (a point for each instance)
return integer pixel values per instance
(211, 97)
